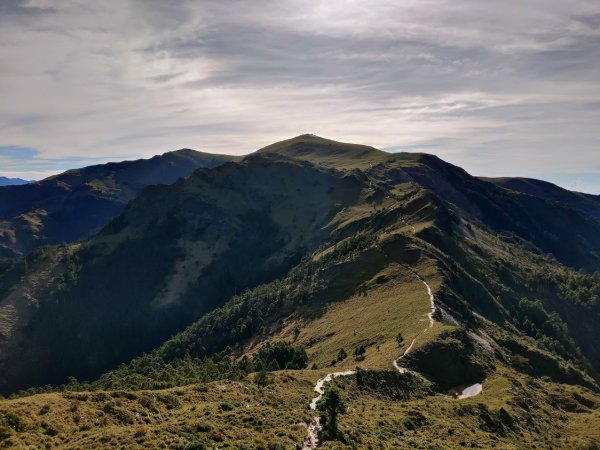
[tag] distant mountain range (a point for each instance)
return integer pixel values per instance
(72, 205)
(4, 181)
(587, 203)
(336, 248)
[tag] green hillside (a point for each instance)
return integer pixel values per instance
(205, 313)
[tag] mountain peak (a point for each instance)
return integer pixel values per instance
(319, 150)
(183, 150)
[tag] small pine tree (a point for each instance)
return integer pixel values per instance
(330, 406)
(359, 352)
(342, 355)
(400, 339)
(262, 379)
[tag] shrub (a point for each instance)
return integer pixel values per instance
(140, 432)
(195, 446)
(5, 432)
(262, 379)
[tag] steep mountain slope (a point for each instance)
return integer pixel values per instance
(175, 253)
(72, 205)
(523, 306)
(4, 181)
(533, 219)
(334, 248)
(587, 203)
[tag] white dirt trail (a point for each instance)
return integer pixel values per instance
(395, 363)
(312, 439)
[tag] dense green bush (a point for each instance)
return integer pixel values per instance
(281, 355)
(548, 328)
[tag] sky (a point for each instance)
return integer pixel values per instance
(507, 88)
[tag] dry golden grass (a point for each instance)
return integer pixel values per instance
(216, 414)
(395, 301)
(441, 422)
(239, 415)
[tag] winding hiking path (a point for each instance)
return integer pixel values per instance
(312, 439)
(397, 366)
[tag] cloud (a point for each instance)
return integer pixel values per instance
(16, 153)
(511, 90)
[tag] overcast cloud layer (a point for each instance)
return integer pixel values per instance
(499, 88)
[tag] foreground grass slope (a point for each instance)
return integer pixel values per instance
(513, 412)
(220, 414)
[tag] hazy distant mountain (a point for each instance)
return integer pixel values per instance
(72, 205)
(333, 248)
(4, 181)
(587, 203)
